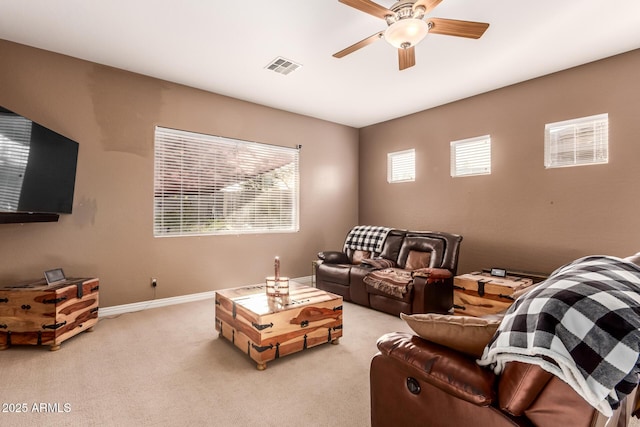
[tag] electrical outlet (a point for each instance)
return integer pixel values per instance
(154, 282)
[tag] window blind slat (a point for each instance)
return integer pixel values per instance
(471, 156)
(576, 142)
(401, 166)
(213, 185)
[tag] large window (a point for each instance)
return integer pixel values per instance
(207, 184)
(401, 166)
(471, 156)
(577, 142)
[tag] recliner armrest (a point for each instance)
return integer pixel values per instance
(334, 257)
(432, 273)
(520, 384)
(442, 367)
(432, 290)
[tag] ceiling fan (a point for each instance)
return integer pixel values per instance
(406, 27)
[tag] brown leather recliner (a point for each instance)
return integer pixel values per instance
(341, 273)
(415, 382)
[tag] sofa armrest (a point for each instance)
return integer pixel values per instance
(520, 384)
(433, 291)
(432, 273)
(334, 257)
(448, 370)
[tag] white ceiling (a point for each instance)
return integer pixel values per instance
(222, 46)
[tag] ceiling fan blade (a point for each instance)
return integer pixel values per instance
(406, 57)
(359, 45)
(428, 5)
(369, 7)
(453, 27)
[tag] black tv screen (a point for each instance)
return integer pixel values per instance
(37, 167)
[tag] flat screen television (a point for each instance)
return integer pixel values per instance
(37, 170)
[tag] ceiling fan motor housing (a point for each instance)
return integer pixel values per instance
(403, 9)
(405, 27)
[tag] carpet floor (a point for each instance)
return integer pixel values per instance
(167, 367)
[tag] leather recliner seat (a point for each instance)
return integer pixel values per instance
(415, 382)
(342, 272)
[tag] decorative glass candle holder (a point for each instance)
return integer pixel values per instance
(277, 303)
(277, 286)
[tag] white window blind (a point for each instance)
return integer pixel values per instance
(206, 184)
(401, 166)
(471, 156)
(577, 142)
(15, 138)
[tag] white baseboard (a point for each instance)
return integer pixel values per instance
(144, 305)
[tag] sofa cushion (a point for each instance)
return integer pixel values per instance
(466, 334)
(378, 263)
(334, 273)
(391, 247)
(358, 256)
(435, 246)
(417, 259)
(393, 281)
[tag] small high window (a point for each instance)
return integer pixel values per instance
(401, 166)
(471, 156)
(583, 141)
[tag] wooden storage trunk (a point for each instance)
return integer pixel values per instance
(479, 293)
(267, 328)
(38, 314)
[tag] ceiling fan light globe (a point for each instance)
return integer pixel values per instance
(404, 31)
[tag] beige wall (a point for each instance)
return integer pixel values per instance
(112, 114)
(521, 216)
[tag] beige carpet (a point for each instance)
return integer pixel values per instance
(167, 367)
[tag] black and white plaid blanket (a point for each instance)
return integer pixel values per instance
(583, 325)
(366, 238)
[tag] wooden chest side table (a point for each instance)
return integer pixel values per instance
(479, 293)
(267, 328)
(38, 314)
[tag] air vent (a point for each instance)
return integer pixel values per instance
(282, 66)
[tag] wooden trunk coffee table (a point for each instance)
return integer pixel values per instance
(267, 328)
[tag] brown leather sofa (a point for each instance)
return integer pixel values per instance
(342, 273)
(415, 382)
